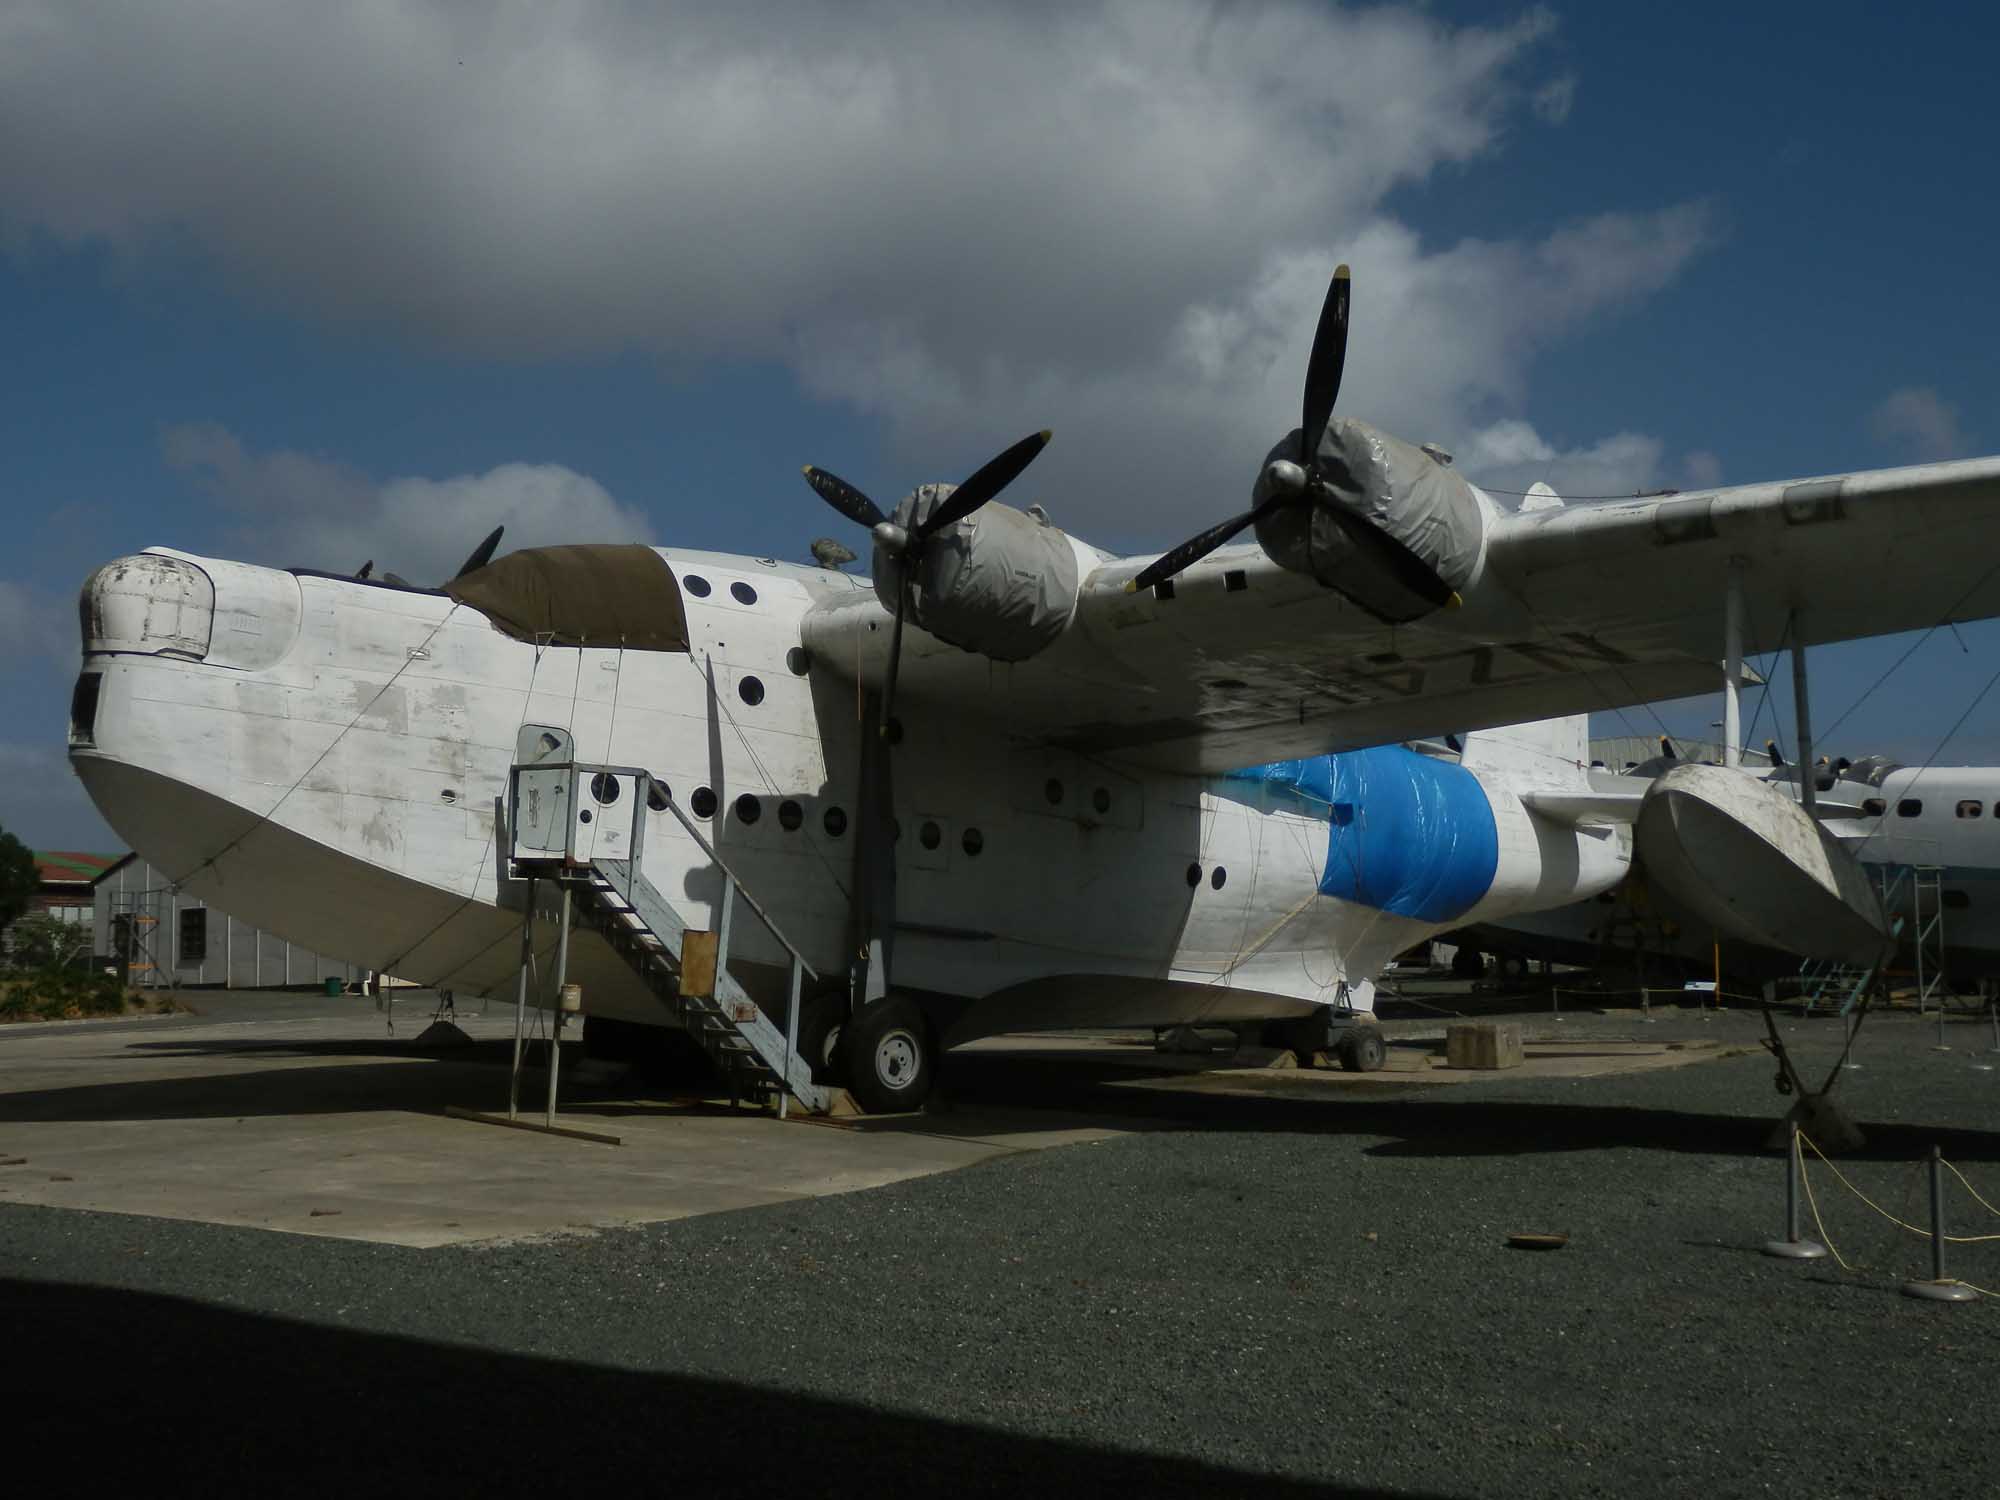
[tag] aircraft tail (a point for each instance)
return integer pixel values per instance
(1549, 753)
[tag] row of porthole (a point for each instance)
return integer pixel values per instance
(1217, 878)
(791, 816)
(697, 585)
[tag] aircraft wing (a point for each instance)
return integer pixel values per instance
(1571, 608)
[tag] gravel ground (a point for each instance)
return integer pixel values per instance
(1271, 1296)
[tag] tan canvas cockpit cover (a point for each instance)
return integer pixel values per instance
(580, 596)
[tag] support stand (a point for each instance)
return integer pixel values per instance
(1792, 1247)
(1939, 1288)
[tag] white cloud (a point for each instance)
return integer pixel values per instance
(1510, 456)
(1117, 218)
(302, 510)
(1920, 424)
(1554, 100)
(1702, 470)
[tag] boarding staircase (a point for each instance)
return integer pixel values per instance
(561, 829)
(1843, 985)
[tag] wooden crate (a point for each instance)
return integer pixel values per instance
(1483, 1044)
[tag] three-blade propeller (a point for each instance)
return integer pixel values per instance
(1299, 483)
(907, 545)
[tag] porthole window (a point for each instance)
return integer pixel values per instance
(750, 690)
(1053, 790)
(1957, 900)
(658, 795)
(1874, 807)
(1910, 807)
(1235, 581)
(790, 815)
(742, 593)
(1219, 879)
(604, 787)
(973, 841)
(695, 584)
(797, 660)
(835, 822)
(1193, 876)
(930, 835)
(1970, 808)
(748, 809)
(702, 803)
(1101, 800)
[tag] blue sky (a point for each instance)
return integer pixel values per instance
(358, 284)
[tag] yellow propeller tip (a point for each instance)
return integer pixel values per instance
(807, 471)
(1454, 601)
(1047, 433)
(1131, 585)
(1341, 273)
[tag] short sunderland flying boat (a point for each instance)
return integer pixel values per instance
(999, 786)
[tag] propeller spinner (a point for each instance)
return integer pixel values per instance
(907, 545)
(1300, 483)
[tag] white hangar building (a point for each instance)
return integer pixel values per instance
(164, 938)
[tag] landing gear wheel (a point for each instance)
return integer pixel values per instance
(1467, 962)
(888, 1056)
(820, 1021)
(1363, 1050)
(1511, 966)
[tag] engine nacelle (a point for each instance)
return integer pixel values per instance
(1399, 488)
(1001, 583)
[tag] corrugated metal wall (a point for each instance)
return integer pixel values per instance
(213, 948)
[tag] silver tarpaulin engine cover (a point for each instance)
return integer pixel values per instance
(1000, 582)
(1420, 502)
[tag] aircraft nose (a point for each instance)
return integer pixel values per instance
(159, 603)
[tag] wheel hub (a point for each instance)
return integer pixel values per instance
(896, 1059)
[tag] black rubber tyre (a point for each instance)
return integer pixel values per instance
(1364, 1050)
(821, 1020)
(1467, 962)
(890, 1059)
(1511, 966)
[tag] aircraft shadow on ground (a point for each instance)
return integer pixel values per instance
(987, 1097)
(139, 1393)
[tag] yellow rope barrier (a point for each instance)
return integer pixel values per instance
(1800, 1138)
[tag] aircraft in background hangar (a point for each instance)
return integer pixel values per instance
(993, 788)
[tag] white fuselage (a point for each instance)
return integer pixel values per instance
(325, 757)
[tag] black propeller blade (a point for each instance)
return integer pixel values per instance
(482, 554)
(845, 498)
(908, 546)
(1297, 483)
(1325, 364)
(987, 481)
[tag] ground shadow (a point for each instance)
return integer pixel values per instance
(230, 1402)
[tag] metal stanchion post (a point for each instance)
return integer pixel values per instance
(556, 1015)
(1791, 1247)
(1847, 1055)
(1938, 1288)
(521, 1002)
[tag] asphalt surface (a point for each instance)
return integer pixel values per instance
(1281, 1296)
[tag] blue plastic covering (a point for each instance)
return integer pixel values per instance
(1410, 834)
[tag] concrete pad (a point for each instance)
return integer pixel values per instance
(324, 1125)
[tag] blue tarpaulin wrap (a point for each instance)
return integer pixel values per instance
(1410, 834)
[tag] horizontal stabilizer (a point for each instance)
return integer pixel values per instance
(1572, 809)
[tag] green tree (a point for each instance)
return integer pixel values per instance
(44, 942)
(19, 879)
